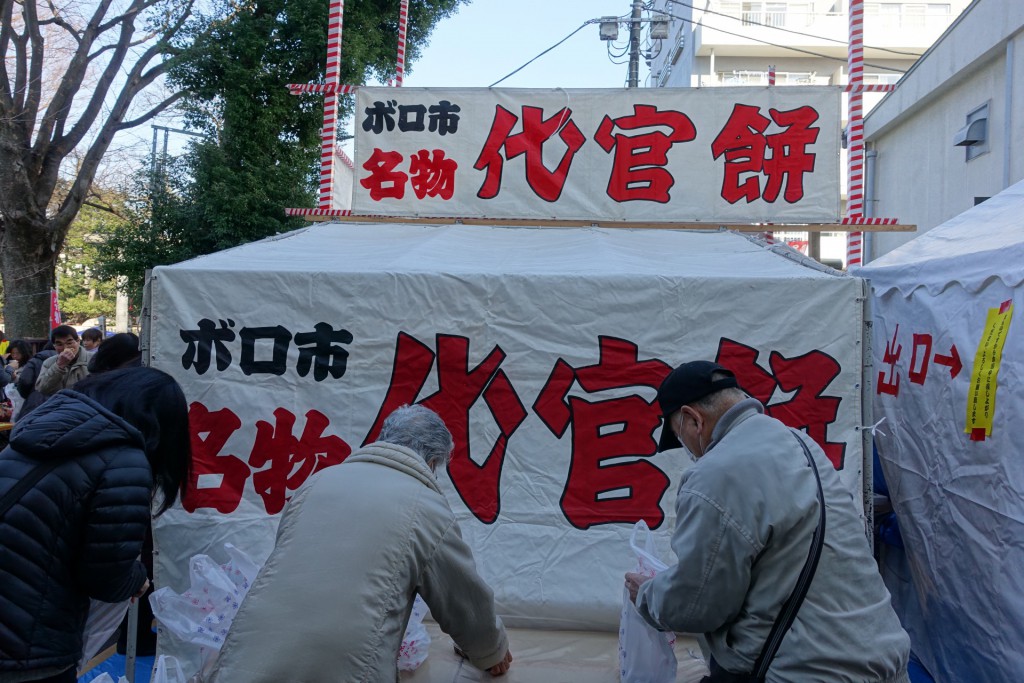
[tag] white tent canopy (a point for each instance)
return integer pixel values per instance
(949, 351)
(969, 250)
(541, 347)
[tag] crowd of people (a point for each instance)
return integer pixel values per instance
(774, 569)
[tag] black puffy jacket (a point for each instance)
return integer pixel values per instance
(27, 383)
(75, 535)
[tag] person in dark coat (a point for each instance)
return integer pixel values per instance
(26, 382)
(112, 447)
(118, 351)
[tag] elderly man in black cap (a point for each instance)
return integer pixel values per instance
(774, 568)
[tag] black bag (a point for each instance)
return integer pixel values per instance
(720, 675)
(789, 608)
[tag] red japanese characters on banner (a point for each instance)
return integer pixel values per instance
(648, 155)
(639, 171)
(782, 157)
(459, 389)
(806, 377)
(596, 490)
(610, 478)
(922, 356)
(291, 460)
(530, 143)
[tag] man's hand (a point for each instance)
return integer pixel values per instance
(66, 357)
(502, 666)
(633, 582)
(141, 591)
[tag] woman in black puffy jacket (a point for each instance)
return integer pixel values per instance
(102, 455)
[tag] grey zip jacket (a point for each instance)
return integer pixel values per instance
(356, 543)
(745, 516)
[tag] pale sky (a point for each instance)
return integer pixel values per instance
(487, 39)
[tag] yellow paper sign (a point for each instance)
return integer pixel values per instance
(981, 397)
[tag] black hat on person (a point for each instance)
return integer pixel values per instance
(686, 384)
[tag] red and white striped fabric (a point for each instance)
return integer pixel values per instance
(403, 27)
(855, 134)
(329, 89)
(318, 212)
(870, 88)
(869, 221)
(335, 15)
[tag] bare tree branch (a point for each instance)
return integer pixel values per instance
(60, 106)
(72, 202)
(104, 207)
(136, 8)
(141, 41)
(6, 29)
(35, 77)
(138, 121)
(20, 70)
(130, 88)
(136, 80)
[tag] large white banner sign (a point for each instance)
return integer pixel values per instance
(542, 349)
(726, 155)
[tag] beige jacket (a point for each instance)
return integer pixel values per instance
(53, 378)
(355, 545)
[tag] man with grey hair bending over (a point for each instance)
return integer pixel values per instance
(356, 544)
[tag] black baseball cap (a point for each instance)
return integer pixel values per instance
(688, 383)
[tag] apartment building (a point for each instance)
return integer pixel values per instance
(736, 42)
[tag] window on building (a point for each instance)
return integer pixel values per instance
(775, 14)
(881, 79)
(913, 15)
(730, 8)
(799, 14)
(751, 13)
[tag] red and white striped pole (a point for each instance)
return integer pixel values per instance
(855, 136)
(328, 133)
(403, 27)
(771, 74)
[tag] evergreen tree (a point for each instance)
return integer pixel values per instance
(261, 149)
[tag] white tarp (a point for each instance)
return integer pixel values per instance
(949, 348)
(740, 154)
(541, 348)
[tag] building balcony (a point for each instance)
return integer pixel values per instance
(747, 28)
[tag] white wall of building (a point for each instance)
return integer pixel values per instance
(920, 176)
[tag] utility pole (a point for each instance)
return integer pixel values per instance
(634, 45)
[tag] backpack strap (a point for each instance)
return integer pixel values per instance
(792, 605)
(25, 483)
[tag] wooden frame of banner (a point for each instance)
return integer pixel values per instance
(739, 227)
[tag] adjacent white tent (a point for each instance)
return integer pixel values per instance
(953, 297)
(541, 347)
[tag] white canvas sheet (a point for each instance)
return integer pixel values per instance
(746, 154)
(542, 348)
(958, 492)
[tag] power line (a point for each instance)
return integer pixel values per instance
(581, 27)
(785, 47)
(779, 28)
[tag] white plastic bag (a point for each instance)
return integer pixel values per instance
(12, 393)
(107, 678)
(167, 670)
(416, 641)
(104, 618)
(203, 614)
(646, 655)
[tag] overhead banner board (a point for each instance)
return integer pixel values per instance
(720, 155)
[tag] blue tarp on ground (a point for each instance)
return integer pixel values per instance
(115, 666)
